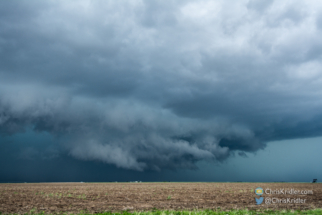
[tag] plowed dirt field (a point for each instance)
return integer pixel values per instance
(100, 197)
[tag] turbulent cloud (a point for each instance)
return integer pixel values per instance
(153, 84)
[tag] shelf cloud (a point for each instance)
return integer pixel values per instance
(147, 85)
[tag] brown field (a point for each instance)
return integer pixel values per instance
(100, 197)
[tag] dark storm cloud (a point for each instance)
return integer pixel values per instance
(153, 84)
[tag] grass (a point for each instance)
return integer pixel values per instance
(203, 212)
(83, 196)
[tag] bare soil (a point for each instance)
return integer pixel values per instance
(100, 197)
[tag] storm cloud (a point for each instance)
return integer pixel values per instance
(147, 85)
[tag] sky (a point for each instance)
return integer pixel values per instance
(160, 90)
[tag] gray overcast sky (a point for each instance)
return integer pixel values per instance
(152, 89)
